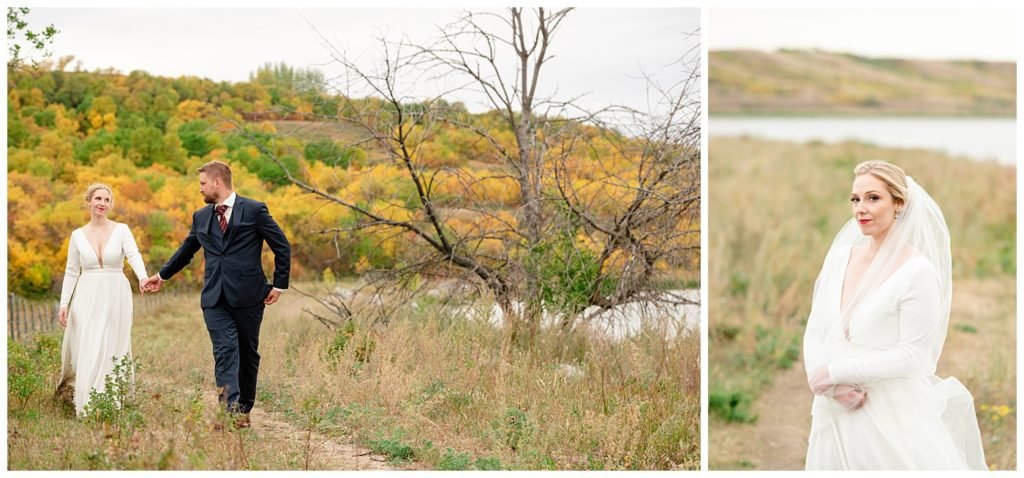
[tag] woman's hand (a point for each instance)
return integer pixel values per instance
(850, 396)
(820, 381)
(63, 316)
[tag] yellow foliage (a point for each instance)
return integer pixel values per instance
(189, 110)
(265, 127)
(362, 265)
(224, 127)
(14, 98)
(54, 147)
(617, 260)
(65, 125)
(102, 114)
(585, 242)
(34, 98)
(496, 190)
(113, 164)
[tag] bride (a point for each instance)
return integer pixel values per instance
(878, 321)
(96, 299)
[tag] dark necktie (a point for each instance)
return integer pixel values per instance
(221, 209)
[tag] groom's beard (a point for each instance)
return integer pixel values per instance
(208, 199)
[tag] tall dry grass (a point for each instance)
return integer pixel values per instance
(436, 378)
(774, 209)
(432, 389)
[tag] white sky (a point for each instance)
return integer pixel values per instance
(922, 33)
(599, 51)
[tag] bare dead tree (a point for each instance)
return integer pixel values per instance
(517, 257)
(469, 48)
(657, 219)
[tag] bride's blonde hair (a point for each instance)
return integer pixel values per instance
(893, 176)
(91, 190)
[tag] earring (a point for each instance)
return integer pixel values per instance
(897, 216)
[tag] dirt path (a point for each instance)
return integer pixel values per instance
(326, 453)
(778, 440)
(979, 350)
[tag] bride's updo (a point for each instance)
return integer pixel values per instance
(893, 176)
(91, 190)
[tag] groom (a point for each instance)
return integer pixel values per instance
(231, 230)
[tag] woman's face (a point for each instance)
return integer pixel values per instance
(99, 204)
(873, 206)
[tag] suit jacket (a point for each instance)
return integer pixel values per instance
(233, 263)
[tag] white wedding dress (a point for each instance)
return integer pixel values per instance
(99, 301)
(910, 420)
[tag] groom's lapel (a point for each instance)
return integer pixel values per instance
(236, 218)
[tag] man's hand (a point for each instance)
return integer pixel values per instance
(272, 296)
(151, 284)
(63, 316)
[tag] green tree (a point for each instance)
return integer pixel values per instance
(38, 40)
(195, 137)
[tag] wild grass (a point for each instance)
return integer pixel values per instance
(774, 209)
(826, 83)
(431, 389)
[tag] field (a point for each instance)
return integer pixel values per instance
(773, 211)
(432, 388)
(801, 82)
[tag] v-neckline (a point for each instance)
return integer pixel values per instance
(99, 255)
(846, 267)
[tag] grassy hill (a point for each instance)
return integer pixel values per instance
(820, 82)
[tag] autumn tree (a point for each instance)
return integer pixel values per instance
(600, 202)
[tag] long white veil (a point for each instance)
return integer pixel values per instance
(921, 230)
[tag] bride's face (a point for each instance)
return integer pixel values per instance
(873, 205)
(99, 204)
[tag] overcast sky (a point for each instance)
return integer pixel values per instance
(599, 51)
(933, 33)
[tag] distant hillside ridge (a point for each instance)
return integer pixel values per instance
(827, 83)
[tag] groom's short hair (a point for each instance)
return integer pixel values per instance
(217, 169)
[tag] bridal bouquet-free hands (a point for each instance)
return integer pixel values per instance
(850, 395)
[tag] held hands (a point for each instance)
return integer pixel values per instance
(151, 284)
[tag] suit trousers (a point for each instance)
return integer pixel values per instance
(235, 334)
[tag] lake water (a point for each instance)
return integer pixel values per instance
(623, 321)
(976, 138)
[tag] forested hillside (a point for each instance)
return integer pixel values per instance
(146, 135)
(820, 82)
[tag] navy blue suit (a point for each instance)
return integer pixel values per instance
(234, 288)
